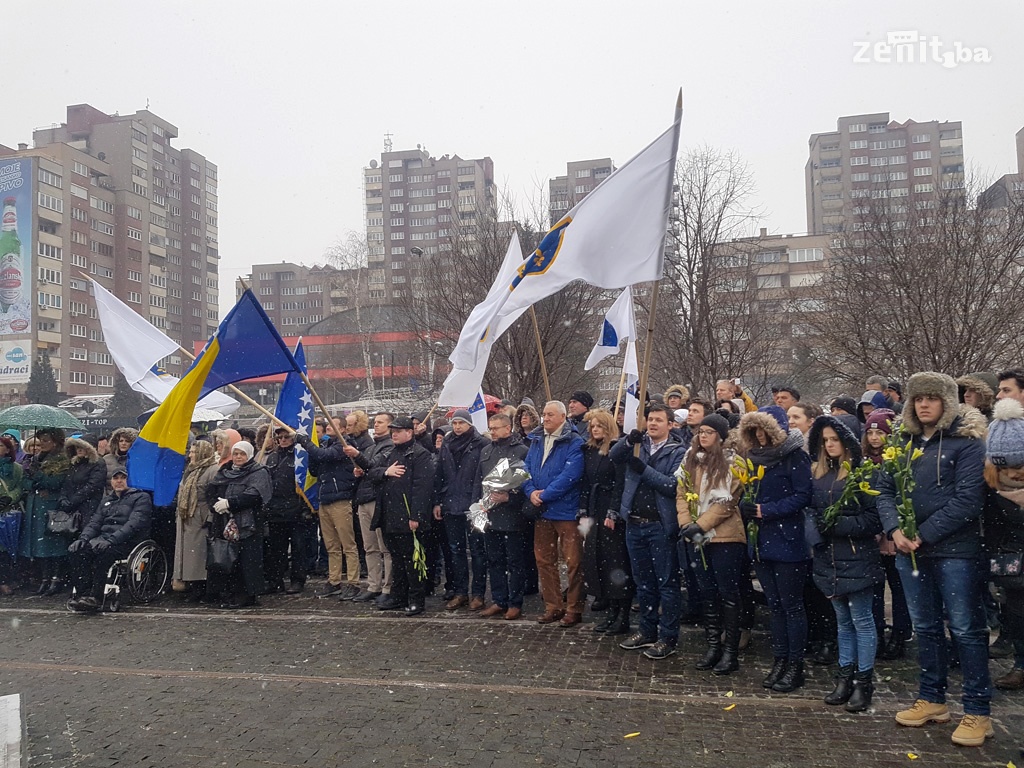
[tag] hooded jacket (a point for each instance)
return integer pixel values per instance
(114, 459)
(847, 560)
(457, 464)
(557, 478)
(783, 492)
(518, 426)
(85, 481)
(873, 398)
(121, 520)
(949, 490)
(509, 516)
(659, 475)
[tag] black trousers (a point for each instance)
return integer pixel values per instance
(406, 583)
(88, 569)
(275, 552)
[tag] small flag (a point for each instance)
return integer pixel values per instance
(478, 410)
(618, 326)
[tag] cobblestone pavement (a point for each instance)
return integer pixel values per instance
(302, 682)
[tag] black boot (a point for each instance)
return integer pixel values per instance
(731, 647)
(792, 678)
(841, 693)
(712, 633)
(893, 649)
(621, 625)
(825, 654)
(863, 688)
(778, 670)
(610, 619)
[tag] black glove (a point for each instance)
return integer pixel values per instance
(99, 544)
(634, 437)
(303, 440)
(76, 545)
(637, 464)
(690, 531)
(748, 511)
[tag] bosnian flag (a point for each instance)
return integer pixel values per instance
(619, 325)
(478, 410)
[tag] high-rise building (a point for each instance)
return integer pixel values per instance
(871, 156)
(117, 202)
(1008, 188)
(581, 176)
(296, 296)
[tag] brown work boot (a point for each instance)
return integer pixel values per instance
(513, 613)
(492, 611)
(550, 616)
(973, 730)
(923, 712)
(571, 619)
(457, 602)
(476, 604)
(1011, 681)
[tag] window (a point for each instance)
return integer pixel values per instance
(47, 177)
(134, 297)
(134, 234)
(797, 255)
(769, 281)
(919, 188)
(876, 128)
(768, 257)
(100, 381)
(49, 300)
(395, 177)
(927, 171)
(51, 276)
(51, 202)
(858, 161)
(923, 154)
(79, 192)
(76, 284)
(102, 226)
(81, 170)
(860, 177)
(79, 330)
(397, 207)
(398, 222)
(103, 205)
(79, 214)
(921, 138)
(139, 189)
(77, 377)
(859, 144)
(50, 251)
(134, 275)
(858, 128)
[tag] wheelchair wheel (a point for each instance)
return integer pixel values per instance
(147, 572)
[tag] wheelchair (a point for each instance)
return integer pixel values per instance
(143, 575)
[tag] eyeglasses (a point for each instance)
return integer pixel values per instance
(707, 432)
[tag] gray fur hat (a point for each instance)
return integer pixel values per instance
(937, 385)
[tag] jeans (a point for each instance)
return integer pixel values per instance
(506, 567)
(901, 626)
(726, 568)
(655, 562)
(783, 585)
(858, 639)
(458, 529)
(949, 587)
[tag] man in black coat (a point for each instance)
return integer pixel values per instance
(286, 514)
(121, 521)
(403, 507)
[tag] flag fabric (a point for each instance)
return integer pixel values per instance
(632, 367)
(156, 459)
(136, 347)
(295, 408)
(478, 411)
(619, 325)
(462, 386)
(612, 238)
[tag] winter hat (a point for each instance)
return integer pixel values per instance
(778, 414)
(881, 419)
(846, 404)
(583, 398)
(852, 422)
(895, 387)
(15, 433)
(1005, 446)
(420, 416)
(462, 415)
(874, 398)
(679, 391)
(937, 385)
(527, 401)
(680, 415)
(243, 446)
(404, 422)
(717, 423)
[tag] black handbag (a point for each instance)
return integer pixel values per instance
(60, 521)
(1007, 569)
(221, 555)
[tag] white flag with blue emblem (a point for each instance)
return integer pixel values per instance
(632, 368)
(478, 410)
(614, 237)
(619, 325)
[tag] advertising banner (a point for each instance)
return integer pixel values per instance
(16, 246)
(15, 361)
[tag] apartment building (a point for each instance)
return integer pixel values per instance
(1009, 187)
(296, 296)
(581, 176)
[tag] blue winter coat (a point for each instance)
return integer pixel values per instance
(333, 470)
(659, 474)
(558, 478)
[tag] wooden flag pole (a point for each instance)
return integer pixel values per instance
(622, 385)
(540, 352)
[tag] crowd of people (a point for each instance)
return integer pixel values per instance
(659, 527)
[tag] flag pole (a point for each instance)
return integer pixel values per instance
(540, 352)
(622, 386)
(652, 316)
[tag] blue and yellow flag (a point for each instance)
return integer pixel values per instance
(295, 408)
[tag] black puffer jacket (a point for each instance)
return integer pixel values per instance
(333, 470)
(373, 460)
(601, 485)
(247, 489)
(285, 505)
(123, 519)
(1004, 524)
(413, 489)
(85, 481)
(457, 465)
(505, 517)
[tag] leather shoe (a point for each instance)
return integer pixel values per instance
(456, 602)
(550, 617)
(1011, 681)
(476, 604)
(295, 588)
(570, 619)
(513, 613)
(414, 609)
(366, 596)
(390, 604)
(492, 611)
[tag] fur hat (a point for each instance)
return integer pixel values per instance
(1005, 446)
(718, 423)
(679, 390)
(975, 383)
(243, 446)
(846, 437)
(72, 444)
(766, 418)
(937, 385)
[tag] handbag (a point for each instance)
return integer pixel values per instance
(221, 555)
(63, 522)
(1007, 569)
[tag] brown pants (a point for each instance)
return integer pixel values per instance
(551, 538)
(339, 537)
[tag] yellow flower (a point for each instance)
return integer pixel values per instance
(692, 497)
(760, 472)
(889, 454)
(750, 465)
(865, 487)
(917, 454)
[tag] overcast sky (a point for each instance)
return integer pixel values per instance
(292, 100)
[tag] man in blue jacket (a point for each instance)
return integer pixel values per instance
(947, 499)
(649, 511)
(555, 464)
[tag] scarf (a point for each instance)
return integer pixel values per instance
(768, 456)
(458, 444)
(204, 456)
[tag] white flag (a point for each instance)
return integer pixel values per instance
(632, 368)
(612, 238)
(618, 326)
(478, 411)
(136, 347)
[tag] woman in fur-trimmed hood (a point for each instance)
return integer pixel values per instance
(121, 440)
(86, 480)
(524, 430)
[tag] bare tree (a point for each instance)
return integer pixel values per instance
(350, 255)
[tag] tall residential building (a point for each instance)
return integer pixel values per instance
(873, 156)
(414, 200)
(1009, 187)
(296, 297)
(581, 176)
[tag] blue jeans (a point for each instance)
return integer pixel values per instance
(783, 585)
(458, 529)
(506, 566)
(858, 639)
(951, 588)
(655, 562)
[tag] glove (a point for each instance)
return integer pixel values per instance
(220, 506)
(303, 439)
(690, 531)
(637, 464)
(748, 511)
(634, 437)
(76, 545)
(581, 513)
(99, 544)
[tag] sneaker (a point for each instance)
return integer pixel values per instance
(973, 730)
(660, 650)
(349, 592)
(923, 712)
(366, 596)
(328, 590)
(636, 641)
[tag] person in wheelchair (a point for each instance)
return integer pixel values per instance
(121, 521)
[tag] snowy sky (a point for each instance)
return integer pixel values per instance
(292, 100)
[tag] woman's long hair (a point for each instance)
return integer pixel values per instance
(611, 430)
(821, 465)
(715, 463)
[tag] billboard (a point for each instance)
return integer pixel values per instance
(15, 361)
(17, 241)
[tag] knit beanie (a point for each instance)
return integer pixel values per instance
(882, 419)
(778, 414)
(583, 398)
(244, 447)
(1005, 445)
(717, 423)
(462, 415)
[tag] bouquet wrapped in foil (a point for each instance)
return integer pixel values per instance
(507, 475)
